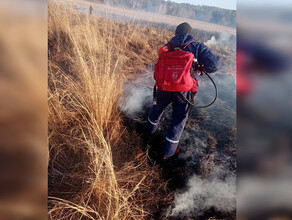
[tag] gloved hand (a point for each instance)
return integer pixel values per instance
(199, 69)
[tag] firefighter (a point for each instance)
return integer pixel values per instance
(90, 9)
(179, 95)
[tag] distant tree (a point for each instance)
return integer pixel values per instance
(203, 13)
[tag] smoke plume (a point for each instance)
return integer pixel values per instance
(134, 104)
(203, 194)
(137, 96)
(222, 40)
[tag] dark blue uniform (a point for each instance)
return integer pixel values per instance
(180, 106)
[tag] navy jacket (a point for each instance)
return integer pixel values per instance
(203, 54)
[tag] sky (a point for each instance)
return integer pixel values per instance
(228, 4)
(280, 3)
(231, 4)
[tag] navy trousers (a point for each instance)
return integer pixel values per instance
(180, 108)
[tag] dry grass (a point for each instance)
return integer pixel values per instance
(23, 114)
(89, 58)
(149, 16)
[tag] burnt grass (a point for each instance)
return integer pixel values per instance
(215, 125)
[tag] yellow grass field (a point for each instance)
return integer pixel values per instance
(148, 16)
(97, 169)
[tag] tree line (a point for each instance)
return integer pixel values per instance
(210, 14)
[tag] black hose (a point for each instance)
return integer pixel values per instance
(216, 93)
(211, 103)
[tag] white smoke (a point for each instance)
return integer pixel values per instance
(193, 151)
(212, 41)
(223, 40)
(138, 94)
(202, 194)
(135, 102)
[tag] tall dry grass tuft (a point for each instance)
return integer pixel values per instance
(88, 61)
(23, 112)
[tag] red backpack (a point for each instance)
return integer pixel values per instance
(172, 70)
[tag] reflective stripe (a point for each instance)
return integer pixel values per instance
(152, 122)
(171, 141)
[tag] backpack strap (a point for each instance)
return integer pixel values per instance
(172, 48)
(188, 44)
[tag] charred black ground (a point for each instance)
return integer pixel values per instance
(213, 126)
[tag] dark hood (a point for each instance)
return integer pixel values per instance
(181, 40)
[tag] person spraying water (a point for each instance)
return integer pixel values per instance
(175, 85)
